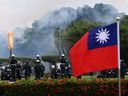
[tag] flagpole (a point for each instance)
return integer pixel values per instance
(118, 38)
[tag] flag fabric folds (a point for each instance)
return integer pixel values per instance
(95, 51)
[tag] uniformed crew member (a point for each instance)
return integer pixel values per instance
(18, 70)
(69, 71)
(27, 69)
(42, 69)
(63, 65)
(41, 64)
(13, 63)
(53, 71)
(37, 70)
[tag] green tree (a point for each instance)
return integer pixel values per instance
(124, 38)
(76, 30)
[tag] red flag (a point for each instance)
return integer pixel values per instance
(96, 50)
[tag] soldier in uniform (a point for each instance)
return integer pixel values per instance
(13, 63)
(18, 70)
(42, 69)
(63, 65)
(41, 64)
(37, 69)
(27, 69)
(53, 71)
(69, 71)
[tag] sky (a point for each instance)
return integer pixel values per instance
(21, 13)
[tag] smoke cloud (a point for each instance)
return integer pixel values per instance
(39, 38)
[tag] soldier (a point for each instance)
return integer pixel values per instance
(53, 71)
(37, 69)
(69, 71)
(27, 69)
(42, 69)
(18, 70)
(13, 63)
(63, 65)
(58, 72)
(41, 64)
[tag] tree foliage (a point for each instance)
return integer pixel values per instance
(76, 30)
(124, 38)
(51, 59)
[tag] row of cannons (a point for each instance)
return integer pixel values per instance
(17, 70)
(64, 71)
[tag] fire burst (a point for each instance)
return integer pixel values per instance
(10, 40)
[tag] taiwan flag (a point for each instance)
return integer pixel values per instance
(95, 51)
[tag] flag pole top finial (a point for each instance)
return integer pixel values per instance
(117, 18)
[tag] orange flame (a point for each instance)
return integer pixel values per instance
(10, 40)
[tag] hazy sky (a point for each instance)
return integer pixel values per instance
(20, 13)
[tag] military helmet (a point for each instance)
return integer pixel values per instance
(13, 55)
(37, 55)
(62, 54)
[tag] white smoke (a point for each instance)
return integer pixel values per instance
(39, 38)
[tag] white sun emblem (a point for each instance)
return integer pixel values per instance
(102, 36)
